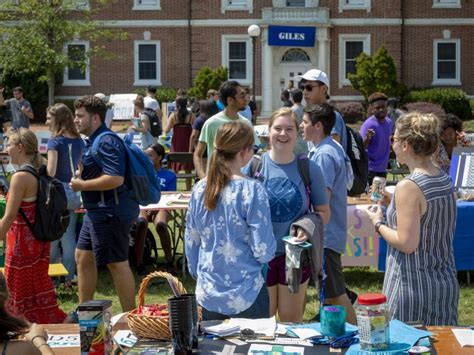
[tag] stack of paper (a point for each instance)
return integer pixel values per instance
(465, 337)
(220, 328)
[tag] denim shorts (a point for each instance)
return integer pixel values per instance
(259, 309)
(277, 271)
(107, 236)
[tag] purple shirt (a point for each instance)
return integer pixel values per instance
(379, 146)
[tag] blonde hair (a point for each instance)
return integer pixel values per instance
(421, 131)
(63, 120)
(231, 138)
(28, 140)
(283, 112)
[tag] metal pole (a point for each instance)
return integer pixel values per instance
(254, 45)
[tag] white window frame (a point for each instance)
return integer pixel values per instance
(74, 82)
(343, 38)
(137, 80)
(354, 5)
(226, 5)
(457, 79)
(226, 39)
(137, 5)
(446, 4)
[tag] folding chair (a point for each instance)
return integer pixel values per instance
(184, 158)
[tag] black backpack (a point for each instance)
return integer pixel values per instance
(359, 162)
(150, 250)
(155, 122)
(52, 215)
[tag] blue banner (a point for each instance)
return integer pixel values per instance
(291, 36)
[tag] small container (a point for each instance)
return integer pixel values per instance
(94, 325)
(378, 186)
(416, 350)
(333, 321)
(373, 322)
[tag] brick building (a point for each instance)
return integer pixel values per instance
(431, 41)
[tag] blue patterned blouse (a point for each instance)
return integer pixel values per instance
(226, 247)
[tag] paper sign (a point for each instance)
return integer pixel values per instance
(122, 105)
(64, 341)
(125, 338)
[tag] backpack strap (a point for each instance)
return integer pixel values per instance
(96, 156)
(29, 169)
(303, 169)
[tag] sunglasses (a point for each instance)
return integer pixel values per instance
(309, 87)
(393, 139)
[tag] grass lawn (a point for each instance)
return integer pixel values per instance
(359, 279)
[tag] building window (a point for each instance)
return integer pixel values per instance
(147, 63)
(354, 5)
(350, 46)
(295, 55)
(236, 5)
(447, 62)
(295, 3)
(146, 5)
(237, 57)
(77, 75)
(447, 4)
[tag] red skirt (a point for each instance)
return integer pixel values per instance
(32, 294)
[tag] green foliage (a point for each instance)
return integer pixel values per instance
(162, 94)
(376, 73)
(35, 44)
(207, 79)
(34, 90)
(451, 100)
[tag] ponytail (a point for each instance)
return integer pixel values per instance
(218, 177)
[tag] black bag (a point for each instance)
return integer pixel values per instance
(52, 215)
(359, 162)
(155, 122)
(150, 250)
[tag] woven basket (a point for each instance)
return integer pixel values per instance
(154, 327)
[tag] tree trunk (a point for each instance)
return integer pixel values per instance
(51, 84)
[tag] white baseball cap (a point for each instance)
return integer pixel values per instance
(151, 103)
(315, 75)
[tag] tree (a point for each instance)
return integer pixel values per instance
(376, 73)
(35, 33)
(206, 79)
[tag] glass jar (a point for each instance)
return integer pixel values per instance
(373, 322)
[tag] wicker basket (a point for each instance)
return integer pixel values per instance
(154, 327)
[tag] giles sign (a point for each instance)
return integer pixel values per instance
(290, 36)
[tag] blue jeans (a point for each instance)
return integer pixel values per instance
(259, 309)
(68, 243)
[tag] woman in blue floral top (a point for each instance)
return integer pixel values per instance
(229, 233)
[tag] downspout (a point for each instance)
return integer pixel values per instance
(190, 61)
(402, 15)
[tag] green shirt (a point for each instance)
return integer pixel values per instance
(209, 130)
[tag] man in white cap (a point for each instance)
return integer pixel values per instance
(315, 86)
(109, 116)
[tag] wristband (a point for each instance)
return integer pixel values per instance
(38, 336)
(377, 226)
(39, 346)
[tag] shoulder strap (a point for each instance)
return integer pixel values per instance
(303, 169)
(32, 171)
(95, 145)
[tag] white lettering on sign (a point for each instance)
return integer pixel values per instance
(291, 36)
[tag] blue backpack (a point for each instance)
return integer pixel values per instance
(140, 175)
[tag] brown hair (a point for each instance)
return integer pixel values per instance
(30, 144)
(10, 326)
(93, 105)
(284, 111)
(63, 121)
(231, 138)
(420, 130)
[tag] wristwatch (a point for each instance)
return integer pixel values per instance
(377, 226)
